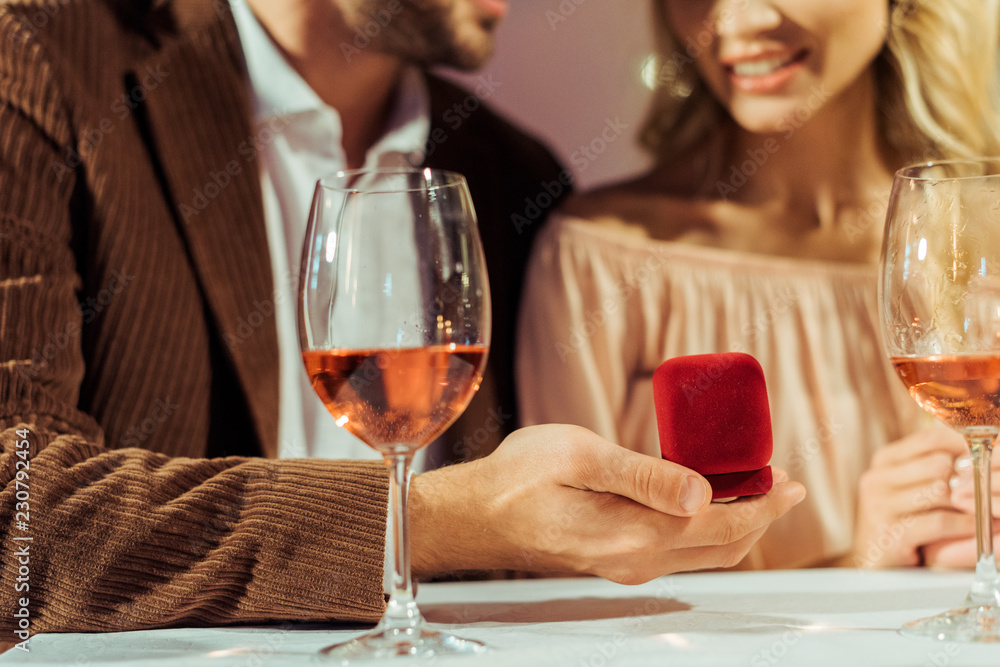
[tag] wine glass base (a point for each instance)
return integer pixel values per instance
(414, 642)
(974, 623)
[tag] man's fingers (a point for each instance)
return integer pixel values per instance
(637, 570)
(727, 555)
(727, 523)
(660, 485)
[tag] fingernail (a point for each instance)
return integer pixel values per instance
(693, 494)
(963, 463)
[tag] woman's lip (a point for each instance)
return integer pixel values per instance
(776, 69)
(495, 8)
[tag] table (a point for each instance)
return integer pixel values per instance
(758, 619)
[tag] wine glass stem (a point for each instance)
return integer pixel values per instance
(401, 611)
(985, 588)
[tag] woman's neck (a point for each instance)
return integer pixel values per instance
(822, 170)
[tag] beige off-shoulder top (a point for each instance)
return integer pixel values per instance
(605, 305)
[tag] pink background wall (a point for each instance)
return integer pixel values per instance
(570, 71)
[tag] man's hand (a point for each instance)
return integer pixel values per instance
(560, 498)
(904, 500)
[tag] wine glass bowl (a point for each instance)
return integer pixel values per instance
(939, 306)
(394, 328)
(396, 399)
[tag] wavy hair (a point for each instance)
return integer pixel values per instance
(936, 80)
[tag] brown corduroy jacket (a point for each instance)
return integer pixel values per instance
(138, 353)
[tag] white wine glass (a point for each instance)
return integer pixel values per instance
(939, 304)
(394, 328)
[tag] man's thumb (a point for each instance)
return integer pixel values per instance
(661, 485)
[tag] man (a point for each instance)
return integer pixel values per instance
(144, 182)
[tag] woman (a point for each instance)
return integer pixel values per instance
(776, 126)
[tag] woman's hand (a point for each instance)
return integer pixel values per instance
(961, 552)
(963, 489)
(904, 500)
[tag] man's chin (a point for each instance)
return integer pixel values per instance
(466, 58)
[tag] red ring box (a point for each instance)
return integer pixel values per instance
(713, 417)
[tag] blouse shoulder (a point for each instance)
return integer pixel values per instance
(640, 205)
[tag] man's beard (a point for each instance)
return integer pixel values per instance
(425, 33)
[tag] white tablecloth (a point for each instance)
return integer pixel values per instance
(838, 617)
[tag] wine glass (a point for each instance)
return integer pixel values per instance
(394, 327)
(939, 305)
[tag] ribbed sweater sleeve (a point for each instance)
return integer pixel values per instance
(124, 539)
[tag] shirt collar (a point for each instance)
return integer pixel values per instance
(279, 91)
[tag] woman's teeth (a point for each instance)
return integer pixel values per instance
(760, 67)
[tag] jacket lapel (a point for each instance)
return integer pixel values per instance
(200, 130)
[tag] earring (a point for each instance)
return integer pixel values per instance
(670, 74)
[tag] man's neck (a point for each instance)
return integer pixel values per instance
(358, 83)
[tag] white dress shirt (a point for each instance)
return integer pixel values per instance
(300, 140)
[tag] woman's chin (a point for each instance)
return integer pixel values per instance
(770, 115)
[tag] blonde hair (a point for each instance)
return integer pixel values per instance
(936, 78)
